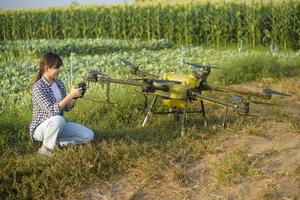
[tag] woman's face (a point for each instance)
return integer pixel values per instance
(53, 71)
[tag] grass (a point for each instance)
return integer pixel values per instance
(256, 66)
(294, 120)
(150, 151)
(271, 192)
(233, 167)
(255, 129)
(154, 152)
(297, 171)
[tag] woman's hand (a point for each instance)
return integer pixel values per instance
(75, 92)
(70, 98)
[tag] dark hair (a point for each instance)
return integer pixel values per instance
(49, 59)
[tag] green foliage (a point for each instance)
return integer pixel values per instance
(255, 66)
(36, 48)
(210, 24)
(19, 62)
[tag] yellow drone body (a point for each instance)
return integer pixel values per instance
(174, 103)
(175, 91)
(185, 79)
(176, 96)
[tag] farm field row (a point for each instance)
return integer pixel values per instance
(20, 59)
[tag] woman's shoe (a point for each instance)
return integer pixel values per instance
(44, 151)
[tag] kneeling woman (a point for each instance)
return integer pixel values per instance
(49, 103)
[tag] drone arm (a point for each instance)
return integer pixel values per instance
(110, 80)
(249, 93)
(214, 101)
(147, 86)
(225, 105)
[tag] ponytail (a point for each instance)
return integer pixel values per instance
(37, 76)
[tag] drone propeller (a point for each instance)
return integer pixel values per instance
(126, 62)
(166, 81)
(135, 69)
(269, 91)
(239, 99)
(156, 80)
(200, 65)
(265, 94)
(95, 74)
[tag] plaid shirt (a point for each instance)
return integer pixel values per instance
(44, 102)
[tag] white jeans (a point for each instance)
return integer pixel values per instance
(56, 129)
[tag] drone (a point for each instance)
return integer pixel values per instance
(178, 91)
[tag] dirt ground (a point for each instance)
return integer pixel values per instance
(275, 151)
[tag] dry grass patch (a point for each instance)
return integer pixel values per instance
(177, 173)
(233, 167)
(295, 122)
(254, 129)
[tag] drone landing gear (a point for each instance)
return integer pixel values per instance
(225, 118)
(150, 111)
(107, 92)
(183, 119)
(203, 113)
(183, 113)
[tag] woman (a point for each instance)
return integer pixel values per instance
(49, 103)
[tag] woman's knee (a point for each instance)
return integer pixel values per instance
(58, 121)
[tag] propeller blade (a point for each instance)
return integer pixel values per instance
(126, 62)
(236, 98)
(138, 79)
(156, 80)
(94, 74)
(194, 64)
(262, 95)
(166, 81)
(269, 91)
(135, 69)
(200, 65)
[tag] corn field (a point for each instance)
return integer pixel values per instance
(184, 24)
